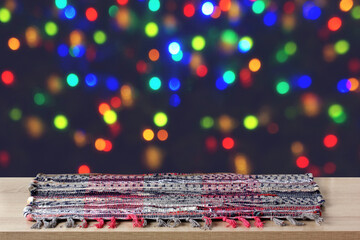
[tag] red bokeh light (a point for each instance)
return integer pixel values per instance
(84, 169)
(329, 168)
(302, 162)
(211, 144)
(228, 143)
(108, 146)
(4, 159)
(115, 102)
(189, 10)
(201, 71)
(91, 14)
(7, 77)
(334, 23)
(330, 141)
(122, 2)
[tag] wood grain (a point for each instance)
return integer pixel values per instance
(341, 215)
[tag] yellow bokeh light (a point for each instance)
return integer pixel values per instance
(76, 38)
(32, 37)
(297, 148)
(126, 95)
(226, 123)
(354, 84)
(80, 138)
(148, 134)
(34, 127)
(346, 5)
(100, 144)
(241, 164)
(54, 84)
(254, 65)
(153, 157)
(14, 44)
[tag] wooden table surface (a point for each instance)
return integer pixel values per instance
(341, 220)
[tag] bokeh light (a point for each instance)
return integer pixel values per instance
(148, 134)
(160, 119)
(282, 87)
(330, 141)
(162, 135)
(207, 8)
(14, 44)
(5, 15)
(155, 83)
(228, 143)
(250, 122)
(302, 162)
(198, 43)
(60, 122)
(110, 117)
(151, 29)
(7, 77)
(254, 65)
(72, 80)
(84, 169)
(245, 44)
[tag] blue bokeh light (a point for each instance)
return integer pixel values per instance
(63, 50)
(344, 85)
(304, 81)
(221, 84)
(270, 19)
(112, 83)
(175, 100)
(311, 11)
(174, 84)
(69, 12)
(90, 80)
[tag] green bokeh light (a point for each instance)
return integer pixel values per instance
(355, 12)
(99, 37)
(113, 10)
(15, 114)
(51, 28)
(72, 80)
(198, 43)
(258, 7)
(342, 47)
(160, 119)
(155, 83)
(229, 37)
(282, 87)
(60, 122)
(281, 56)
(290, 48)
(5, 15)
(39, 99)
(229, 77)
(177, 57)
(151, 29)
(250, 122)
(110, 117)
(154, 5)
(60, 4)
(207, 122)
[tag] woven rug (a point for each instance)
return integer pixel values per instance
(172, 198)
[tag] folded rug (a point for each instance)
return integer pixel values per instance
(170, 198)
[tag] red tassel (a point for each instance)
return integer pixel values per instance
(100, 223)
(135, 220)
(244, 222)
(208, 220)
(84, 223)
(112, 223)
(231, 222)
(258, 222)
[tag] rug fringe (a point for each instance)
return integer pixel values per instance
(84, 223)
(232, 223)
(278, 221)
(208, 223)
(244, 222)
(258, 222)
(50, 224)
(37, 225)
(294, 222)
(112, 223)
(176, 222)
(100, 223)
(193, 223)
(161, 223)
(70, 223)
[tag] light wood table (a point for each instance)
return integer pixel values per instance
(341, 220)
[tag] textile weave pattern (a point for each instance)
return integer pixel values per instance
(174, 197)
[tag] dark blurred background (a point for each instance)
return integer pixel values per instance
(136, 86)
